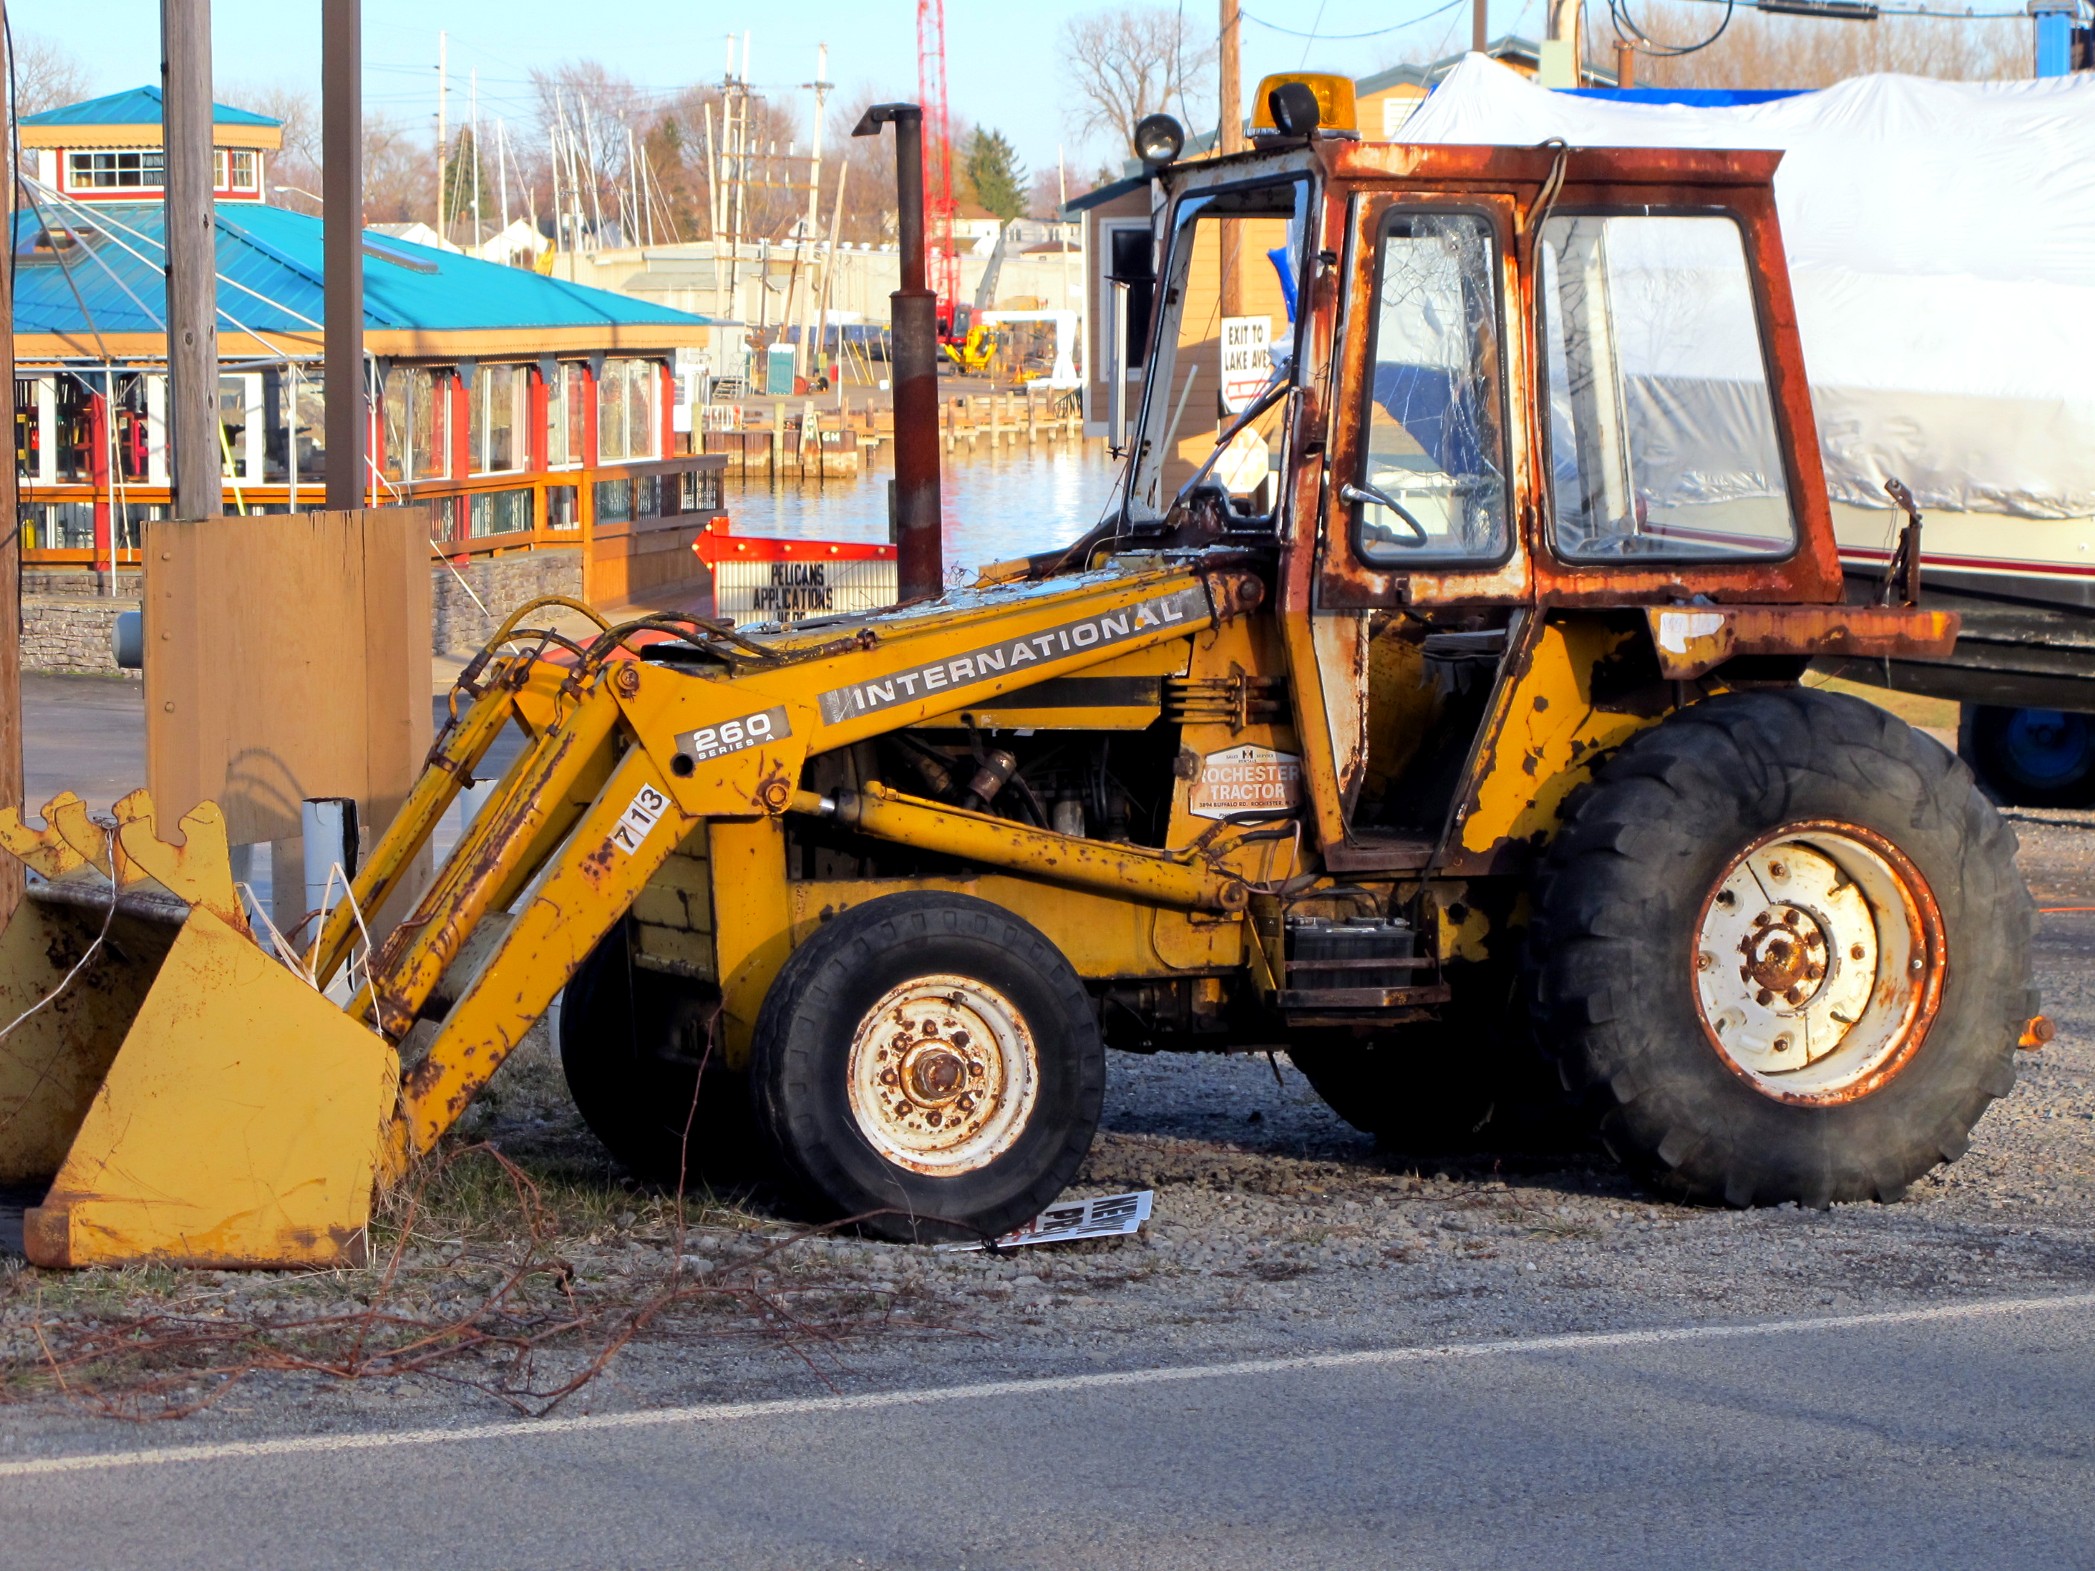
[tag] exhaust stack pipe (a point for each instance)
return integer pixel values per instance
(913, 359)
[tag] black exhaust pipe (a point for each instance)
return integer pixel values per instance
(913, 363)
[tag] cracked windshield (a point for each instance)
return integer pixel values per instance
(1229, 298)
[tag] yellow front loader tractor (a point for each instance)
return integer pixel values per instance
(1431, 698)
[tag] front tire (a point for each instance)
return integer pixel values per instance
(1782, 951)
(931, 1063)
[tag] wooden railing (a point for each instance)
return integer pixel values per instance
(481, 516)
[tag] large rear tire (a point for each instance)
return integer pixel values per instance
(932, 1063)
(1782, 951)
(633, 1045)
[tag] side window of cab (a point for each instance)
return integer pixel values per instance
(1430, 484)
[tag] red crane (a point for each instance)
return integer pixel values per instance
(941, 260)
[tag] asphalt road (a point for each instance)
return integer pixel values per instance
(1932, 1437)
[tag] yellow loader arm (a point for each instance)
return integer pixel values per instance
(217, 1108)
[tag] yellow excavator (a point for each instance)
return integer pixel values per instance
(1427, 704)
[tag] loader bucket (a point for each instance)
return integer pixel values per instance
(177, 1093)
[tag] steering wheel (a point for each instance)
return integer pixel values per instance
(1381, 498)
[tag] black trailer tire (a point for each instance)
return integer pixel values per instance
(647, 1075)
(933, 1060)
(1695, 1080)
(2030, 757)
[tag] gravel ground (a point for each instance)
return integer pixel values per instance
(1276, 1227)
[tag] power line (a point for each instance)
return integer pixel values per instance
(1340, 38)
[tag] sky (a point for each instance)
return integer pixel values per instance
(1001, 55)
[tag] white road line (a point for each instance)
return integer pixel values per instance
(791, 1407)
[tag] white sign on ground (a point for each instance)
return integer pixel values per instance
(1102, 1216)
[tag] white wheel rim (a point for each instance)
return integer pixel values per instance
(1818, 962)
(943, 1075)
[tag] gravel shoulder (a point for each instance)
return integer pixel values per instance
(1277, 1229)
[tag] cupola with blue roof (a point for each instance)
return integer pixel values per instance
(109, 148)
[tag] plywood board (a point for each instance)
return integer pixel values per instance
(287, 657)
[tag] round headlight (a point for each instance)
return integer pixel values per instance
(1158, 140)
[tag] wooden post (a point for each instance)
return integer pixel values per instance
(1231, 129)
(342, 210)
(10, 596)
(192, 252)
(1480, 27)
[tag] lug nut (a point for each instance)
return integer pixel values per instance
(1854, 951)
(1776, 870)
(1764, 997)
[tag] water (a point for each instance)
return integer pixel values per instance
(996, 504)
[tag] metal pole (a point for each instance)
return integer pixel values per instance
(192, 258)
(913, 321)
(342, 209)
(11, 874)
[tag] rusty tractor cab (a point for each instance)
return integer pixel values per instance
(1428, 705)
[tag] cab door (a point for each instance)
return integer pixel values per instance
(1412, 597)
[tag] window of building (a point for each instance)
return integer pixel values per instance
(115, 169)
(416, 400)
(236, 169)
(567, 415)
(497, 405)
(627, 426)
(241, 425)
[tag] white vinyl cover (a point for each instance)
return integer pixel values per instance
(1941, 240)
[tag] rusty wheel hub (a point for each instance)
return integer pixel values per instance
(943, 1075)
(1818, 962)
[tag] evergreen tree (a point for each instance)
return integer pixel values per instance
(996, 174)
(458, 180)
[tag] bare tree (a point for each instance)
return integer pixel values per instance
(397, 174)
(1788, 51)
(294, 169)
(47, 74)
(1132, 61)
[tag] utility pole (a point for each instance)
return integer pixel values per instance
(192, 258)
(502, 166)
(1561, 65)
(1480, 26)
(1230, 138)
(473, 99)
(821, 85)
(443, 131)
(342, 228)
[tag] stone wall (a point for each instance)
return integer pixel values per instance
(66, 625)
(459, 625)
(71, 633)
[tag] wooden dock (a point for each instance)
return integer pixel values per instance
(816, 443)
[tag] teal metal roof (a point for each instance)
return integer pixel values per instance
(270, 280)
(134, 106)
